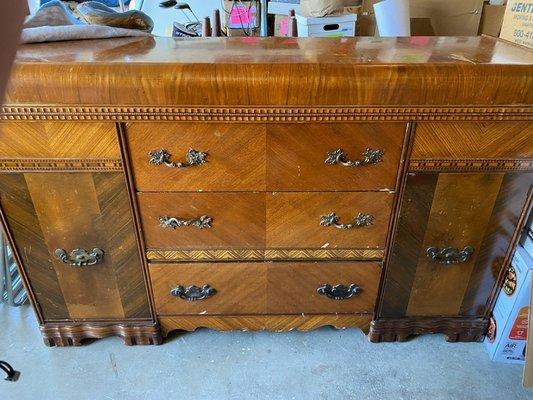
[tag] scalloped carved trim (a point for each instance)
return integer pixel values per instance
(455, 329)
(264, 254)
(55, 164)
(263, 114)
(73, 334)
(273, 323)
(493, 165)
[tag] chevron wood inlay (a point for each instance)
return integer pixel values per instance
(492, 165)
(273, 323)
(263, 114)
(264, 254)
(54, 164)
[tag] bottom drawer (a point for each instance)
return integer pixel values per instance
(265, 288)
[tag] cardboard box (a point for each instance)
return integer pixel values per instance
(332, 26)
(507, 336)
(517, 24)
(491, 20)
(447, 18)
(281, 25)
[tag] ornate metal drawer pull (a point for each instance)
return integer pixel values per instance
(509, 285)
(360, 220)
(80, 257)
(338, 156)
(193, 293)
(339, 292)
(201, 222)
(162, 157)
(449, 255)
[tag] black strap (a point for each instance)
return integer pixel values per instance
(12, 375)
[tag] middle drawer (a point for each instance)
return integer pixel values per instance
(271, 220)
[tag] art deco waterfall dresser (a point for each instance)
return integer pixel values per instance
(150, 185)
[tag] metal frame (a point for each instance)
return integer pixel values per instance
(11, 288)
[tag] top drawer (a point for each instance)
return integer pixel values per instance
(259, 157)
(45, 140)
(473, 140)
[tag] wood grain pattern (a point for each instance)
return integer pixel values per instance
(80, 210)
(268, 71)
(57, 140)
(480, 209)
(238, 220)
(296, 155)
(263, 288)
(293, 219)
(287, 114)
(459, 217)
(228, 166)
(263, 254)
(472, 140)
(272, 323)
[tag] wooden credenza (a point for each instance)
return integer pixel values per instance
(150, 185)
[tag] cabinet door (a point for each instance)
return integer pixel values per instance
(66, 211)
(451, 239)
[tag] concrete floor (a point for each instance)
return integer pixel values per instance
(323, 364)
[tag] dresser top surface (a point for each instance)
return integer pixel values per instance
(254, 50)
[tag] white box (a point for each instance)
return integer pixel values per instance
(507, 336)
(334, 26)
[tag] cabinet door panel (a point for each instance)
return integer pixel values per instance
(46, 212)
(451, 210)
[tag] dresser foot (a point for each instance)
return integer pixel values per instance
(400, 330)
(62, 335)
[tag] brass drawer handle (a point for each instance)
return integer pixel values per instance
(162, 157)
(339, 292)
(338, 156)
(449, 255)
(509, 285)
(80, 257)
(332, 219)
(193, 293)
(201, 222)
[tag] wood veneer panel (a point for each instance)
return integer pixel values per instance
(459, 217)
(264, 288)
(296, 155)
(228, 167)
(58, 140)
(411, 227)
(80, 210)
(269, 71)
(470, 140)
(293, 219)
(23, 222)
(492, 252)
(292, 287)
(238, 220)
(241, 288)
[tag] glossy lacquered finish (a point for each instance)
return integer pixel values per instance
(279, 184)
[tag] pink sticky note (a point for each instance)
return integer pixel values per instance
(284, 26)
(241, 15)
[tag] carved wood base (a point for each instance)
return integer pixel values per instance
(274, 323)
(72, 335)
(455, 329)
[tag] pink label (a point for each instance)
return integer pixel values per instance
(241, 15)
(284, 26)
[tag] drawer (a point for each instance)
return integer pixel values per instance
(259, 220)
(265, 288)
(471, 140)
(328, 220)
(238, 220)
(297, 154)
(235, 159)
(45, 140)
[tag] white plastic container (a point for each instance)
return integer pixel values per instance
(334, 26)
